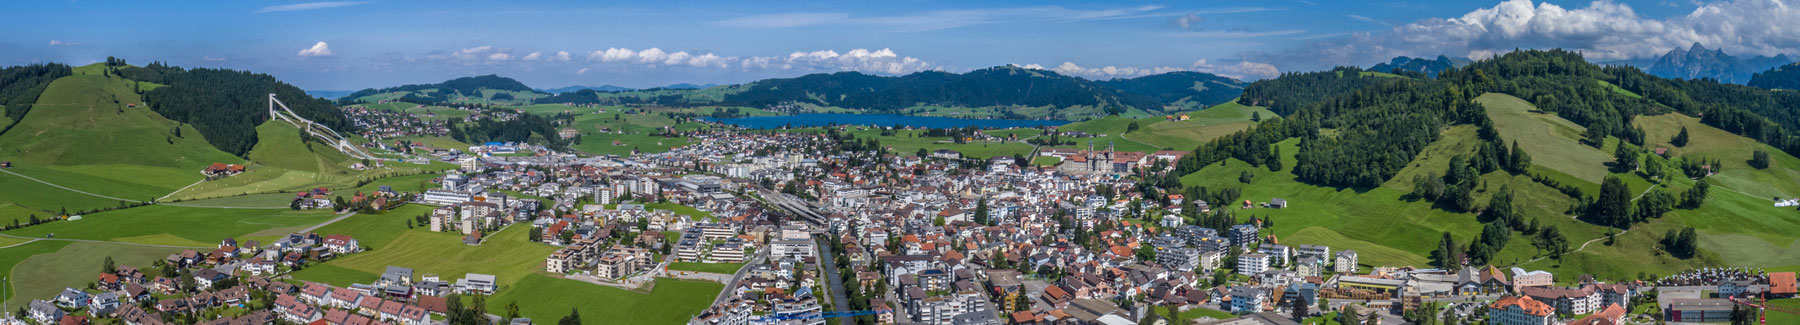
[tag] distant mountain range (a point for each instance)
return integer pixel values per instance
(1421, 65)
(330, 94)
(1002, 86)
(506, 89)
(571, 89)
(612, 88)
(1018, 92)
(1699, 62)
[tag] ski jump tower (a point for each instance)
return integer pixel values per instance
(315, 129)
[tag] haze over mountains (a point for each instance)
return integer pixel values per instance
(1699, 62)
(1006, 91)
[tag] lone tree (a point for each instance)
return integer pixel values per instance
(1680, 139)
(1759, 159)
(1299, 306)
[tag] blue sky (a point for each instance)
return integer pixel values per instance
(342, 45)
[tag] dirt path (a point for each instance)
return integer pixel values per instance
(65, 188)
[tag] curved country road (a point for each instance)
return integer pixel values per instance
(100, 241)
(65, 188)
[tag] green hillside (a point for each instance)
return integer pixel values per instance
(280, 145)
(86, 119)
(1202, 126)
(1551, 140)
(1731, 150)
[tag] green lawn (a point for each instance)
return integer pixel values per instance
(10, 257)
(1202, 126)
(720, 268)
(377, 230)
(679, 210)
(31, 197)
(602, 143)
(334, 275)
(1114, 128)
(1732, 151)
(1378, 223)
(1551, 140)
(506, 254)
(1045, 160)
(83, 120)
(46, 273)
(271, 200)
(183, 226)
(545, 299)
(435, 142)
(1777, 317)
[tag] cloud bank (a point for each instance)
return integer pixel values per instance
(1602, 30)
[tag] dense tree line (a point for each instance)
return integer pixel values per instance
(1782, 77)
(527, 128)
(652, 97)
(997, 86)
(21, 85)
(1295, 90)
(1176, 86)
(227, 105)
(1560, 82)
(1254, 145)
(1752, 112)
(1682, 244)
(1418, 67)
(467, 86)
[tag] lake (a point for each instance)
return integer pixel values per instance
(810, 120)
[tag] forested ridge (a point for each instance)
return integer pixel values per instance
(657, 97)
(1427, 67)
(1782, 77)
(997, 86)
(1203, 88)
(467, 86)
(21, 85)
(227, 105)
(1378, 125)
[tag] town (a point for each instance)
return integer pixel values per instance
(811, 228)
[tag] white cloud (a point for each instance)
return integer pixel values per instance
(532, 57)
(560, 56)
(582, 71)
(884, 61)
(499, 57)
(1243, 70)
(656, 56)
(1602, 30)
(63, 43)
(309, 6)
(1189, 21)
(212, 58)
(317, 50)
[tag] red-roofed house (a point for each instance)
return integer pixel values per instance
(1519, 310)
(1781, 284)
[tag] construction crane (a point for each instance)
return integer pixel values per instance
(805, 316)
